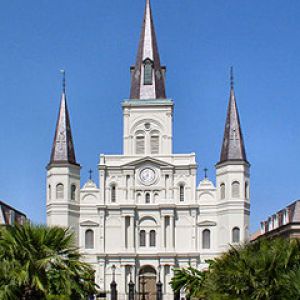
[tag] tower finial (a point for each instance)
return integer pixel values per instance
(205, 172)
(90, 172)
(231, 78)
(63, 72)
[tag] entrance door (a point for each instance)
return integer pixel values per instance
(147, 283)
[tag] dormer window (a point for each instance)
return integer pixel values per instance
(148, 70)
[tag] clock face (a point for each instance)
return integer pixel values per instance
(147, 176)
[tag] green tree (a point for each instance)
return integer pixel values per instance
(265, 269)
(38, 261)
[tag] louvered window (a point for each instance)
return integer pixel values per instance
(154, 142)
(181, 193)
(235, 189)
(148, 73)
(113, 194)
(140, 144)
(246, 190)
(73, 192)
(49, 192)
(60, 191)
(235, 235)
(222, 190)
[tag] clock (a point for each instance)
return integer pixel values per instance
(147, 176)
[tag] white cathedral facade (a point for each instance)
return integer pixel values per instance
(148, 215)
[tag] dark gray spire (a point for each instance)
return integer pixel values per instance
(233, 148)
(148, 76)
(63, 148)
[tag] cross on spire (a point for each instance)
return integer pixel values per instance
(231, 78)
(63, 72)
(205, 172)
(90, 172)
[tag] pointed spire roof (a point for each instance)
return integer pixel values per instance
(63, 148)
(233, 148)
(148, 53)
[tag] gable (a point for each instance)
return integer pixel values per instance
(148, 160)
(89, 223)
(207, 223)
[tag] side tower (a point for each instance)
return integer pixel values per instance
(232, 180)
(63, 173)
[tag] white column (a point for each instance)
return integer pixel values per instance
(132, 230)
(102, 231)
(101, 274)
(131, 187)
(102, 186)
(167, 180)
(172, 186)
(123, 230)
(172, 219)
(162, 231)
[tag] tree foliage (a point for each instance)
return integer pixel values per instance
(265, 269)
(39, 262)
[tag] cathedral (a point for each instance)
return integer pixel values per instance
(147, 214)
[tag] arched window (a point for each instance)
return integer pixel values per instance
(235, 235)
(142, 238)
(148, 70)
(154, 142)
(147, 198)
(73, 192)
(206, 239)
(89, 239)
(235, 189)
(113, 194)
(222, 190)
(49, 192)
(246, 190)
(60, 191)
(152, 238)
(140, 143)
(156, 197)
(181, 193)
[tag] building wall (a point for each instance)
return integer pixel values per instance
(108, 220)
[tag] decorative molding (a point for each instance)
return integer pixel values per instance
(207, 223)
(89, 223)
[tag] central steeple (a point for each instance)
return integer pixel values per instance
(148, 76)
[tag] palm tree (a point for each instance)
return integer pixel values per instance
(265, 269)
(37, 261)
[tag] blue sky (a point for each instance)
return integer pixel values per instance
(96, 42)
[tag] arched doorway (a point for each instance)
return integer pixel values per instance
(147, 283)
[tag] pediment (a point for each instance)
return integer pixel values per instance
(207, 223)
(148, 160)
(89, 223)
